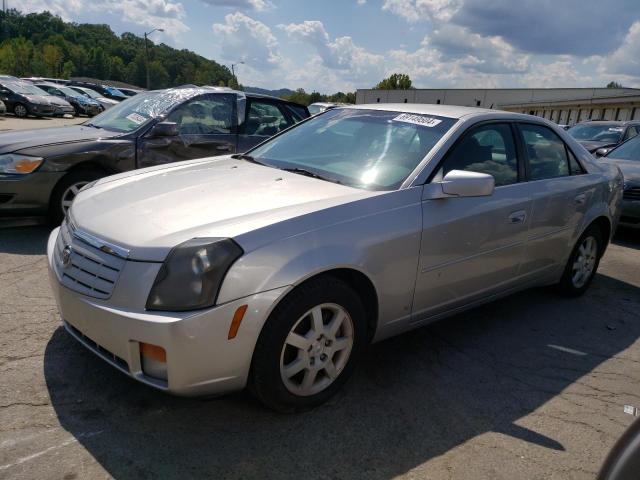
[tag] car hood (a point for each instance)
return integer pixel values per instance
(38, 99)
(150, 211)
(20, 139)
(630, 168)
(592, 146)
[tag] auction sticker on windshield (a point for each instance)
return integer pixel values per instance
(417, 120)
(136, 118)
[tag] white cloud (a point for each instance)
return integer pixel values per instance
(624, 60)
(361, 2)
(258, 5)
(165, 14)
(341, 53)
(417, 10)
(243, 38)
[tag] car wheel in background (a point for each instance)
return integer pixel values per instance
(20, 110)
(66, 190)
(309, 346)
(583, 262)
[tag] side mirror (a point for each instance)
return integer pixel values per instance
(165, 129)
(601, 152)
(460, 183)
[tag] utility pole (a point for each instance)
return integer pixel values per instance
(146, 53)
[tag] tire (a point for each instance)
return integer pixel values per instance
(584, 259)
(332, 356)
(20, 110)
(66, 190)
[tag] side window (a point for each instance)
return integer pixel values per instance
(265, 119)
(486, 149)
(631, 132)
(205, 115)
(546, 152)
(574, 166)
(297, 113)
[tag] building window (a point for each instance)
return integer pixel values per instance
(378, 100)
(477, 103)
(617, 114)
(405, 100)
(438, 101)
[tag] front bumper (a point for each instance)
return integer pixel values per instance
(64, 110)
(27, 194)
(200, 358)
(41, 110)
(90, 109)
(630, 216)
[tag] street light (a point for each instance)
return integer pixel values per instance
(146, 51)
(233, 72)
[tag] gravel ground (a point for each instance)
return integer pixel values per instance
(530, 387)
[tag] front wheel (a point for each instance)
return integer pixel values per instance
(66, 190)
(309, 346)
(583, 263)
(20, 110)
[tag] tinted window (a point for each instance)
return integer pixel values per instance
(265, 119)
(297, 113)
(628, 150)
(597, 132)
(206, 115)
(631, 132)
(546, 152)
(371, 149)
(486, 149)
(574, 166)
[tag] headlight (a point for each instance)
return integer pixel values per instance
(191, 276)
(16, 163)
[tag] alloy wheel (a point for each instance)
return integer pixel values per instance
(584, 262)
(70, 193)
(316, 349)
(20, 111)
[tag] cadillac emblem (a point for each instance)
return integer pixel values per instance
(66, 256)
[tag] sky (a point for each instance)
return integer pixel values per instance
(341, 45)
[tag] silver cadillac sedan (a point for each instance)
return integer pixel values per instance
(276, 268)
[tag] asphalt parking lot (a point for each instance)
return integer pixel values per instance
(531, 387)
(10, 122)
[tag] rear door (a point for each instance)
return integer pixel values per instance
(207, 126)
(264, 118)
(561, 192)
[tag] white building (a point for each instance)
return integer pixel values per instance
(562, 105)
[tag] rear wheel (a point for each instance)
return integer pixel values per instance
(20, 110)
(66, 191)
(583, 262)
(309, 346)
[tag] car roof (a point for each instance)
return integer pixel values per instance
(611, 122)
(212, 89)
(451, 111)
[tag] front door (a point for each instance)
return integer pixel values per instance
(207, 126)
(471, 247)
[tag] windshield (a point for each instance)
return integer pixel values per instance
(130, 114)
(115, 92)
(370, 149)
(597, 133)
(70, 92)
(87, 91)
(629, 150)
(25, 89)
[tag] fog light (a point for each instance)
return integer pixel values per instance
(154, 360)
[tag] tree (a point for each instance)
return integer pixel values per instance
(397, 81)
(614, 85)
(52, 59)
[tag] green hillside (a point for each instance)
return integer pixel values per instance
(41, 44)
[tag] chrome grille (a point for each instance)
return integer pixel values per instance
(631, 193)
(88, 270)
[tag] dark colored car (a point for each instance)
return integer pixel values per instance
(19, 98)
(130, 92)
(627, 157)
(595, 135)
(42, 170)
(104, 90)
(81, 104)
(3, 109)
(61, 106)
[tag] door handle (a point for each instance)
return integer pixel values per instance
(581, 199)
(517, 217)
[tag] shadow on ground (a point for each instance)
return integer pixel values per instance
(413, 398)
(31, 240)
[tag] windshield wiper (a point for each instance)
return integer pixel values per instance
(248, 158)
(309, 173)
